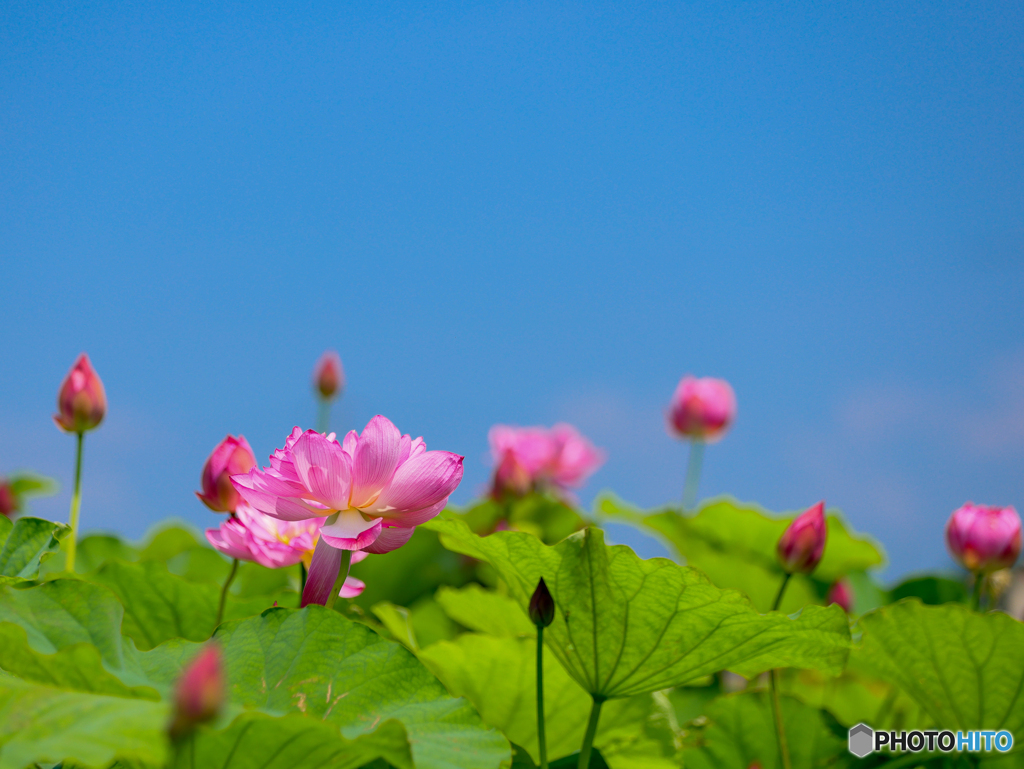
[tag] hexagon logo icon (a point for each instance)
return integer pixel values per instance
(861, 740)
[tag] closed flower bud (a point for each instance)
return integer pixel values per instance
(82, 403)
(231, 457)
(9, 502)
(842, 594)
(542, 606)
(328, 375)
(801, 545)
(199, 695)
(702, 409)
(984, 538)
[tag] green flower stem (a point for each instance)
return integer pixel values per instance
(541, 737)
(782, 589)
(588, 738)
(979, 583)
(323, 419)
(346, 563)
(302, 577)
(693, 466)
(224, 592)
(773, 685)
(76, 504)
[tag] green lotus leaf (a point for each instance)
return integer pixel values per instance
(734, 544)
(25, 544)
(740, 732)
(628, 626)
(964, 669)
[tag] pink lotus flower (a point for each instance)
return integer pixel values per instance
(276, 544)
(702, 409)
(328, 375)
(373, 490)
(200, 693)
(527, 458)
(984, 538)
(233, 456)
(842, 594)
(803, 542)
(82, 402)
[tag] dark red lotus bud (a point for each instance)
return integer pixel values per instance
(8, 499)
(542, 606)
(328, 375)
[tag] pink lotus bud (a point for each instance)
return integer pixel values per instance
(81, 401)
(842, 594)
(803, 542)
(702, 409)
(8, 499)
(511, 477)
(328, 375)
(199, 695)
(984, 538)
(231, 457)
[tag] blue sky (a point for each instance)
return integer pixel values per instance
(524, 213)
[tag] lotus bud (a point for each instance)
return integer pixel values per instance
(842, 594)
(199, 695)
(328, 375)
(231, 457)
(542, 606)
(82, 403)
(983, 538)
(511, 477)
(702, 409)
(9, 502)
(801, 545)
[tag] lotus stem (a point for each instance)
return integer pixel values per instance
(979, 583)
(541, 736)
(323, 418)
(693, 467)
(224, 593)
(773, 685)
(588, 738)
(782, 589)
(346, 563)
(76, 504)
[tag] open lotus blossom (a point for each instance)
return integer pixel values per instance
(232, 456)
(370, 491)
(803, 542)
(328, 375)
(82, 401)
(983, 538)
(276, 544)
(702, 409)
(534, 457)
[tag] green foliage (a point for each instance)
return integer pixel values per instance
(963, 668)
(498, 675)
(26, 544)
(740, 731)
(734, 544)
(44, 724)
(628, 626)
(931, 590)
